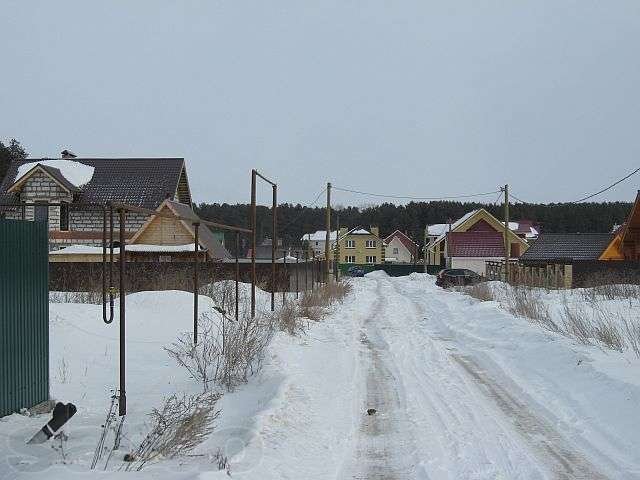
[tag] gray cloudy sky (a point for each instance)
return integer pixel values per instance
(419, 98)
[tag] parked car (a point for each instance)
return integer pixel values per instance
(355, 272)
(450, 277)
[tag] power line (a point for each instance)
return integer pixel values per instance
(609, 187)
(407, 197)
(521, 201)
(302, 212)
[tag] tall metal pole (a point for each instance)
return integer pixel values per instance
(122, 401)
(274, 245)
(424, 251)
(284, 272)
(507, 245)
(196, 227)
(237, 274)
(327, 242)
(336, 259)
(306, 270)
(297, 274)
(253, 243)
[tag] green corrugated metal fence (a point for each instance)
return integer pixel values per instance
(24, 315)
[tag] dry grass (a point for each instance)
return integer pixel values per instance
(481, 291)
(524, 303)
(590, 323)
(180, 425)
(313, 305)
(94, 298)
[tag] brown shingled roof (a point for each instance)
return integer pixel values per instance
(143, 182)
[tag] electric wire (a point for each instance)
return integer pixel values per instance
(518, 199)
(608, 188)
(408, 197)
(294, 220)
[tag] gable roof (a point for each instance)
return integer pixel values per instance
(521, 227)
(142, 182)
(206, 238)
(404, 239)
(479, 214)
(357, 231)
(52, 172)
(567, 246)
(475, 244)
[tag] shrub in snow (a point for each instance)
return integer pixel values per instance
(180, 425)
(227, 351)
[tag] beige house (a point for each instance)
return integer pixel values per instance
(359, 246)
(160, 239)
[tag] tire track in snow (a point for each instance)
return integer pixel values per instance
(547, 444)
(383, 447)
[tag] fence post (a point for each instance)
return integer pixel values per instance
(568, 276)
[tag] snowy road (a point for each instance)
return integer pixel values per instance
(462, 390)
(440, 412)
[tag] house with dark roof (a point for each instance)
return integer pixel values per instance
(471, 241)
(80, 186)
(400, 248)
(566, 247)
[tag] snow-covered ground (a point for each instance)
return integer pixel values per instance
(462, 389)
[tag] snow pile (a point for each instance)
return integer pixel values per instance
(76, 173)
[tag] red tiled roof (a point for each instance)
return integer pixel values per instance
(406, 241)
(475, 244)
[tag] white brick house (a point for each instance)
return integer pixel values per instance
(81, 185)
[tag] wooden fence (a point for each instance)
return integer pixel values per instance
(548, 276)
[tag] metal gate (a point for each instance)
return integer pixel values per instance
(24, 315)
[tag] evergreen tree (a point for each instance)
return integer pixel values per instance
(8, 153)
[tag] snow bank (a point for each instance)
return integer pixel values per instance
(76, 173)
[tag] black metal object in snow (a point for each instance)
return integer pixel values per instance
(61, 415)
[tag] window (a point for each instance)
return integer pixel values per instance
(64, 217)
(370, 244)
(371, 259)
(317, 243)
(351, 244)
(395, 251)
(350, 259)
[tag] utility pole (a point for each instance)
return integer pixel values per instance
(253, 243)
(424, 251)
(336, 259)
(507, 245)
(274, 245)
(327, 243)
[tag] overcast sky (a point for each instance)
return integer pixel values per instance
(409, 98)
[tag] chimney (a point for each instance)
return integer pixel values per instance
(375, 231)
(67, 154)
